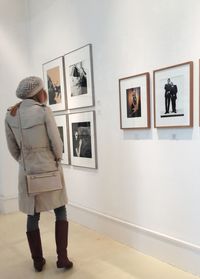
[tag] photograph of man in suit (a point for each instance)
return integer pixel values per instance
(173, 95)
(170, 96)
(167, 95)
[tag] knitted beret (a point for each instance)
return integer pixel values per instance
(28, 87)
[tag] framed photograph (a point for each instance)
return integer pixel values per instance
(82, 139)
(62, 124)
(79, 78)
(53, 73)
(173, 96)
(134, 102)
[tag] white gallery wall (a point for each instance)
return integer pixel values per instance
(13, 67)
(146, 189)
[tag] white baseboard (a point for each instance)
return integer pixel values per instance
(181, 254)
(8, 204)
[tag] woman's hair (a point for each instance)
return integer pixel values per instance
(14, 108)
(36, 97)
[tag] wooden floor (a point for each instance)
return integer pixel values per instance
(94, 256)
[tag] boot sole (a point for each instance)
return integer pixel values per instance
(69, 266)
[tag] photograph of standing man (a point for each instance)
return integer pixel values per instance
(167, 95)
(173, 94)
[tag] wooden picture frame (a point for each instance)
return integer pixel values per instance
(173, 96)
(134, 96)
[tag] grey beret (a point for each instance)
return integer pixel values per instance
(28, 87)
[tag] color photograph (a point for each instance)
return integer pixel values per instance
(134, 100)
(53, 75)
(54, 90)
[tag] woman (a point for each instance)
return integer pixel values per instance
(42, 151)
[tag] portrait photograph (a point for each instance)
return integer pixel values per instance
(62, 124)
(79, 77)
(173, 96)
(82, 139)
(134, 102)
(54, 83)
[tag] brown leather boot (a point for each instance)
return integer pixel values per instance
(61, 235)
(35, 246)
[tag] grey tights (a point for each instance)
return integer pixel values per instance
(33, 220)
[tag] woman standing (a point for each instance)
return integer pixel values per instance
(42, 152)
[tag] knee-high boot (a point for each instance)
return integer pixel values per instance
(61, 236)
(35, 246)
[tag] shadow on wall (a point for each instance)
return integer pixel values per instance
(160, 134)
(175, 134)
(138, 134)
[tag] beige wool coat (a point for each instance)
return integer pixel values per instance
(42, 149)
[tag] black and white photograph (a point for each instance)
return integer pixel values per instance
(173, 96)
(170, 95)
(53, 73)
(134, 102)
(171, 103)
(79, 77)
(60, 129)
(62, 124)
(82, 139)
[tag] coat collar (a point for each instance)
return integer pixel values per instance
(31, 102)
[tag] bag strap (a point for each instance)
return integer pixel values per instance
(21, 139)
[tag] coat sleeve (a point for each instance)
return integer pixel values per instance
(11, 142)
(53, 134)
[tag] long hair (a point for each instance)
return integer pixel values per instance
(13, 109)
